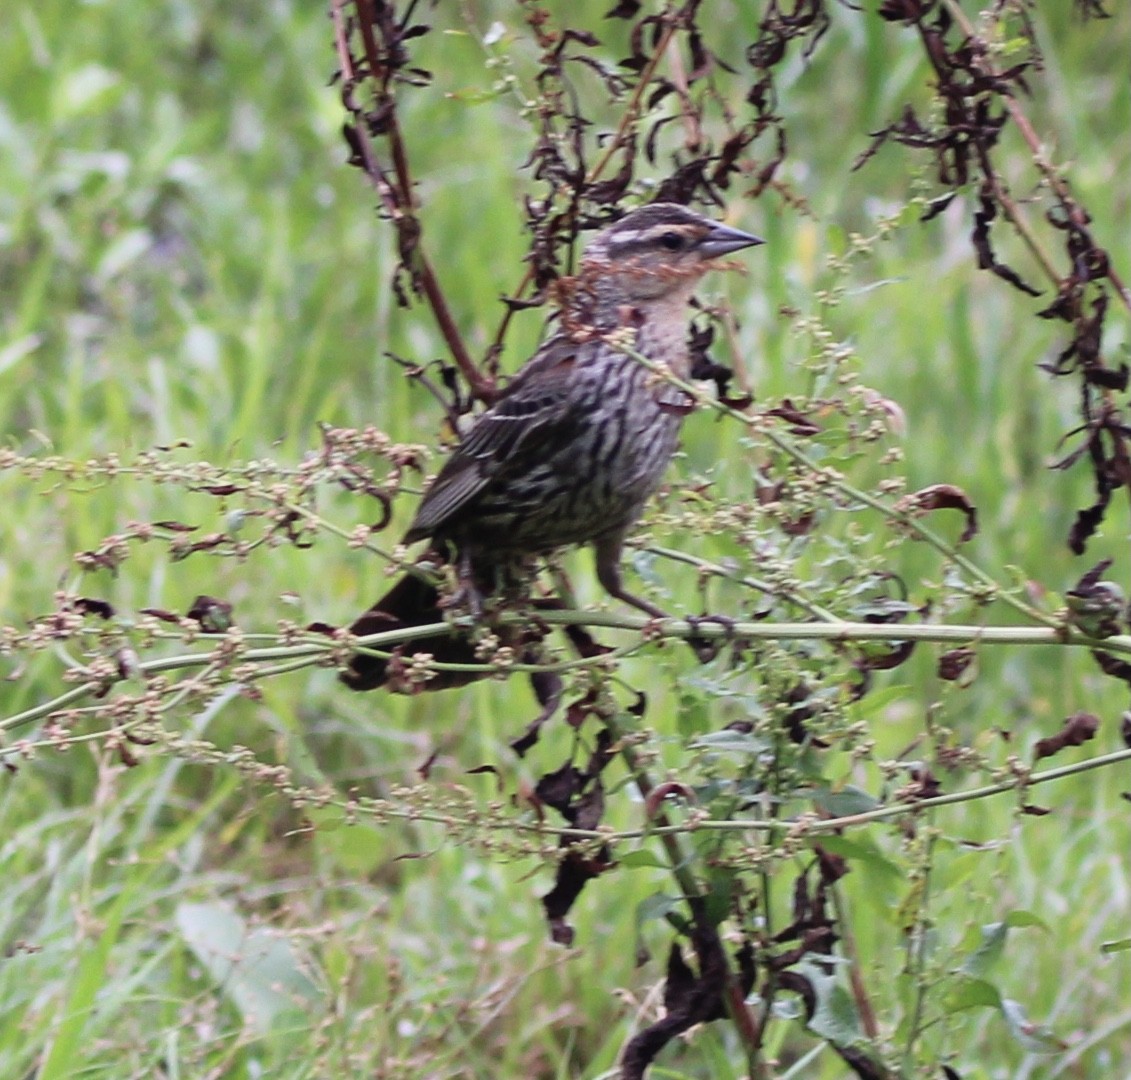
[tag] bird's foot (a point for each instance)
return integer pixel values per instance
(467, 595)
(706, 649)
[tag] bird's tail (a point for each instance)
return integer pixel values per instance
(412, 601)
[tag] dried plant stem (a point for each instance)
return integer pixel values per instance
(1055, 181)
(628, 118)
(680, 863)
(1001, 192)
(399, 201)
(632, 109)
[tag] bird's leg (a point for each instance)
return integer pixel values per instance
(468, 592)
(608, 574)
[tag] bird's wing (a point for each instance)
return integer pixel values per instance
(534, 411)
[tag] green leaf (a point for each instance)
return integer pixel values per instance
(1019, 918)
(85, 91)
(874, 705)
(65, 1050)
(989, 951)
(722, 882)
(15, 351)
(844, 802)
(860, 849)
(477, 95)
(123, 251)
(644, 563)
(256, 968)
(836, 1018)
(355, 848)
(873, 285)
(970, 993)
(641, 857)
(733, 742)
(1035, 1038)
(834, 1015)
(836, 238)
(656, 906)
(787, 1008)
(993, 938)
(963, 866)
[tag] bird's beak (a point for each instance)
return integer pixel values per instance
(722, 240)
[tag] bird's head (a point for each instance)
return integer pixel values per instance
(658, 252)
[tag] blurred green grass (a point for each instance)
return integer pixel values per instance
(183, 255)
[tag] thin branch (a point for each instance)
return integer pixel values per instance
(836, 480)
(1052, 177)
(628, 118)
(399, 201)
(633, 108)
(315, 651)
(680, 862)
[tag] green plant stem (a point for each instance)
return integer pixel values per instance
(841, 631)
(856, 976)
(917, 958)
(679, 862)
(813, 827)
(904, 519)
(705, 566)
(316, 651)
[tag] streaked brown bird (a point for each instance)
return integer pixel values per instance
(578, 440)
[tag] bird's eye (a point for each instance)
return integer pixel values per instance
(672, 241)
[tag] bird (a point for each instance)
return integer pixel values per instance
(576, 442)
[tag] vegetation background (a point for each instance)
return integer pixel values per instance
(184, 256)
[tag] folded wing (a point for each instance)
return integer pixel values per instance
(537, 411)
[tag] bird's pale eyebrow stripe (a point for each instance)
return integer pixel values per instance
(683, 228)
(631, 238)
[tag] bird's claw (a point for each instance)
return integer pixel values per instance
(706, 649)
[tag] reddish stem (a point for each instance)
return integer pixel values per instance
(397, 198)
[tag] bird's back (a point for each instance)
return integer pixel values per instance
(570, 454)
